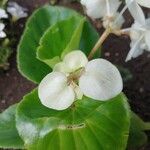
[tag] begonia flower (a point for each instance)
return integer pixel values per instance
(16, 11)
(105, 9)
(140, 39)
(136, 11)
(75, 76)
(139, 31)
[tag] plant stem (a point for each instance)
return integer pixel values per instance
(122, 32)
(147, 126)
(99, 43)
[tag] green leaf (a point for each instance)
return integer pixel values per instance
(39, 22)
(65, 36)
(88, 39)
(5, 53)
(60, 39)
(3, 3)
(9, 137)
(87, 125)
(44, 18)
(137, 136)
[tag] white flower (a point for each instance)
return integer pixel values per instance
(3, 14)
(136, 11)
(2, 33)
(75, 76)
(100, 8)
(144, 3)
(139, 32)
(105, 9)
(16, 11)
(140, 39)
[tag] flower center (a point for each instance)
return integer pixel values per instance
(73, 77)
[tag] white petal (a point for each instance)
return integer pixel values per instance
(135, 32)
(101, 80)
(12, 11)
(55, 93)
(2, 26)
(95, 8)
(98, 8)
(3, 13)
(136, 49)
(147, 24)
(136, 11)
(114, 5)
(119, 22)
(75, 60)
(2, 34)
(144, 3)
(139, 51)
(147, 39)
(61, 67)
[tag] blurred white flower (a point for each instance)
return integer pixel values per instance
(100, 8)
(105, 9)
(140, 39)
(16, 11)
(144, 3)
(136, 11)
(2, 33)
(140, 30)
(3, 13)
(75, 76)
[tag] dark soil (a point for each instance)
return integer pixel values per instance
(13, 86)
(137, 88)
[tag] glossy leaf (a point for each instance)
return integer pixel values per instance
(137, 136)
(88, 39)
(9, 137)
(60, 39)
(87, 125)
(39, 22)
(31, 67)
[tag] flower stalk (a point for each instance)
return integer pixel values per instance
(103, 38)
(99, 43)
